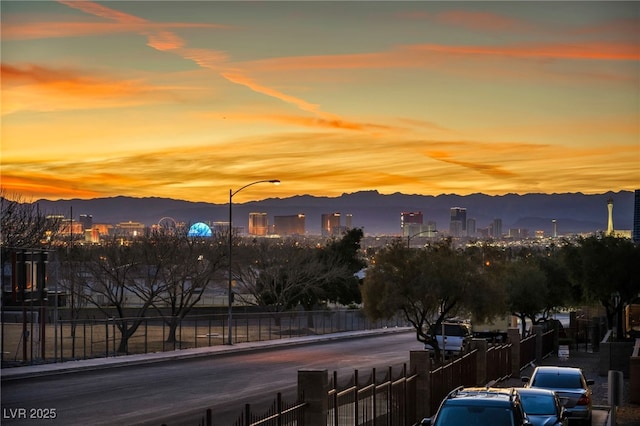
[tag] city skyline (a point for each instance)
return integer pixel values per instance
(104, 99)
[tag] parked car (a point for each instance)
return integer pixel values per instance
(542, 407)
(571, 387)
(480, 407)
(457, 336)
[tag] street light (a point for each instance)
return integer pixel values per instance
(231, 194)
(409, 237)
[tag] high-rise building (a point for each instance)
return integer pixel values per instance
(258, 223)
(458, 223)
(289, 225)
(330, 224)
(636, 217)
(407, 219)
(348, 221)
(86, 220)
(471, 227)
(497, 228)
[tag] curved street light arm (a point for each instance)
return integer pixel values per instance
(274, 181)
(230, 272)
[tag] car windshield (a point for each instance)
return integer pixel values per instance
(538, 404)
(557, 381)
(474, 416)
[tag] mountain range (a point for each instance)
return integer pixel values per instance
(375, 213)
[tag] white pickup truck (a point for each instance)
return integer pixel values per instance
(456, 337)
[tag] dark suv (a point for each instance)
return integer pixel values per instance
(480, 407)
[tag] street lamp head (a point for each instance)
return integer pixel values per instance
(275, 181)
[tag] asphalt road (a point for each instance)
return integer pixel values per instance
(178, 392)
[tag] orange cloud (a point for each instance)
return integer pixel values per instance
(243, 80)
(48, 89)
(579, 50)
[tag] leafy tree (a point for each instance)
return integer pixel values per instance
(608, 270)
(427, 286)
(345, 288)
(527, 290)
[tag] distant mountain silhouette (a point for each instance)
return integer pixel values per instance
(376, 213)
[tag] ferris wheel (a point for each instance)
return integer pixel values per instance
(167, 224)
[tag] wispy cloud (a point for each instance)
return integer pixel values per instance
(164, 40)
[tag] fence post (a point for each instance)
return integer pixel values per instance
(537, 330)
(313, 385)
(481, 360)
(420, 364)
(513, 335)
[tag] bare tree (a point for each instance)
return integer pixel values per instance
(118, 272)
(187, 266)
(280, 277)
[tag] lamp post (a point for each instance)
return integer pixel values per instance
(231, 194)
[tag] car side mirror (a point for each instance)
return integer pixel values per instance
(590, 382)
(525, 379)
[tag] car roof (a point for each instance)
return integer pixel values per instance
(481, 396)
(557, 370)
(535, 391)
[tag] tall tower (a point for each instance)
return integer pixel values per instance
(610, 222)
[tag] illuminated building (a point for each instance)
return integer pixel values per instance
(258, 223)
(348, 220)
(289, 225)
(104, 229)
(610, 220)
(407, 219)
(129, 229)
(330, 224)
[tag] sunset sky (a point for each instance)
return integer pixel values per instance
(187, 100)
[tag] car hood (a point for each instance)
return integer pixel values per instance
(543, 420)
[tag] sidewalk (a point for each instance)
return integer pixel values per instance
(39, 370)
(627, 415)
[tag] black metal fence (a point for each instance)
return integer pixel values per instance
(281, 413)
(25, 341)
(460, 372)
(388, 402)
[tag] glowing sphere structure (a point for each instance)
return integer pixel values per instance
(199, 230)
